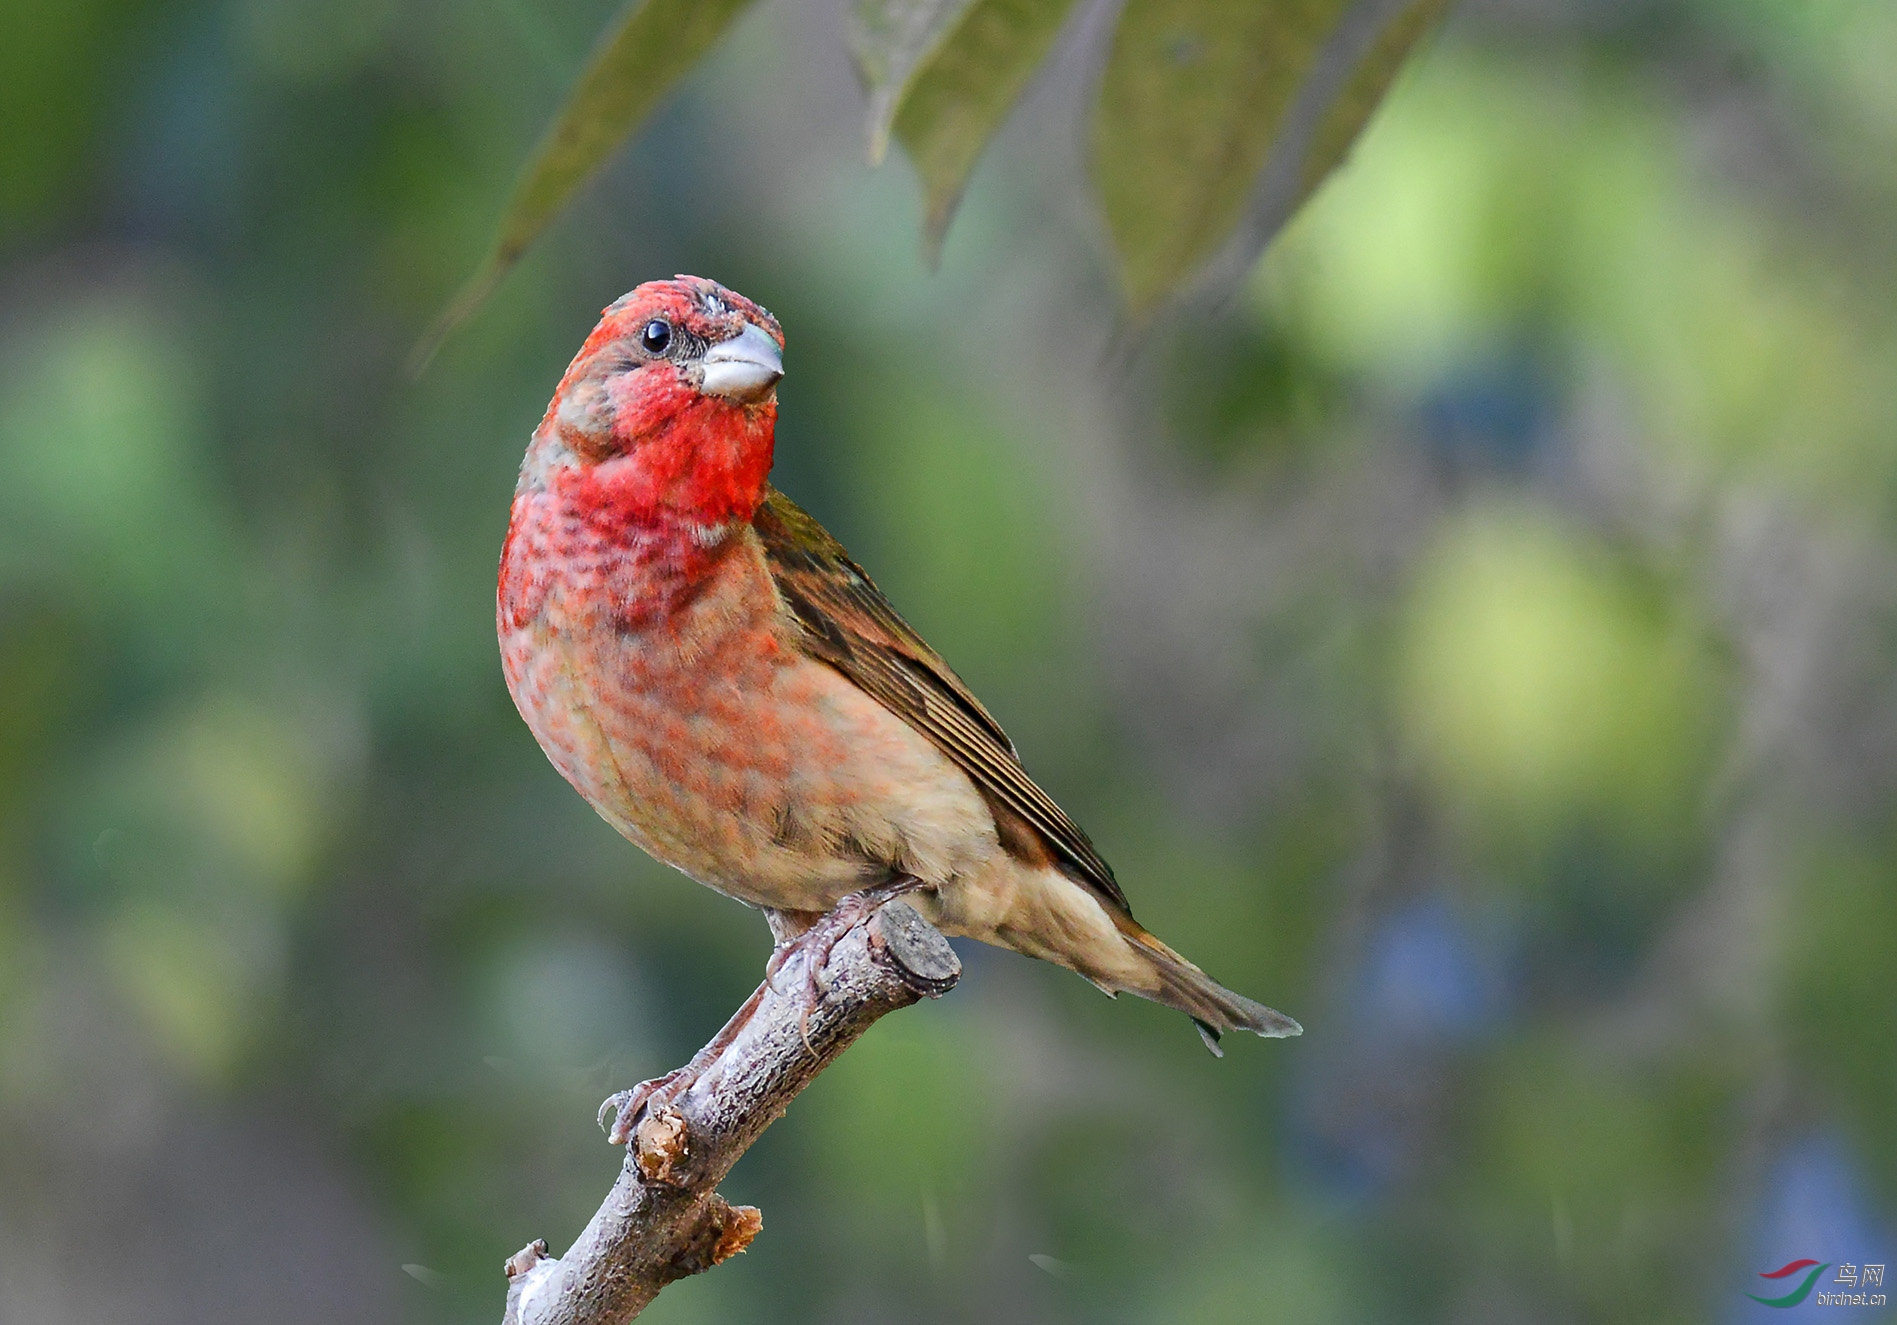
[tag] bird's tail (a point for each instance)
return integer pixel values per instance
(1177, 983)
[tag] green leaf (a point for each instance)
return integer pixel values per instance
(962, 90)
(653, 44)
(1199, 95)
(1352, 108)
(890, 39)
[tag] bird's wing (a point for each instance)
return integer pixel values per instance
(848, 624)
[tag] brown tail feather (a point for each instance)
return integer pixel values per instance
(1216, 1009)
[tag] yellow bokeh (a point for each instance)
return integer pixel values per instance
(1538, 686)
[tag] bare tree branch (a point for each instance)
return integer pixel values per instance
(664, 1218)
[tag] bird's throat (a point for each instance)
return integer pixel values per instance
(702, 464)
(634, 537)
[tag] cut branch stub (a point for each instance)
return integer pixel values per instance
(918, 954)
(663, 1219)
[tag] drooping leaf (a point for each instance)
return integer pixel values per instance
(1352, 109)
(647, 49)
(890, 39)
(1354, 69)
(1199, 95)
(963, 89)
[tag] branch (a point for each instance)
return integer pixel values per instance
(664, 1218)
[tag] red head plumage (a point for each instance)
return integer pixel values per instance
(670, 407)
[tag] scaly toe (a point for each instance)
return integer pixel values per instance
(780, 953)
(625, 1107)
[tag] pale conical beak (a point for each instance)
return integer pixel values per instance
(744, 368)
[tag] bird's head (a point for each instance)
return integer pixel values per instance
(672, 402)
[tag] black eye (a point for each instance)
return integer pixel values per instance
(656, 336)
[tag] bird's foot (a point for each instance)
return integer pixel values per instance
(820, 940)
(624, 1108)
(621, 1112)
(627, 1106)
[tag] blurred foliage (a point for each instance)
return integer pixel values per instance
(1195, 96)
(1542, 688)
(638, 60)
(1475, 636)
(1198, 95)
(957, 88)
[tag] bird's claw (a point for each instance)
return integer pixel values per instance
(620, 1113)
(780, 953)
(821, 939)
(625, 1107)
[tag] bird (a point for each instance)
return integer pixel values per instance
(708, 667)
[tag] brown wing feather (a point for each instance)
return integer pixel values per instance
(850, 625)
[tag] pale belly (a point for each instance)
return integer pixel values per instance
(722, 751)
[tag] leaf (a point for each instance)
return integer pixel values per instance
(652, 45)
(1202, 97)
(962, 91)
(890, 39)
(1352, 109)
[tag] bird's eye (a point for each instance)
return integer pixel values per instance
(656, 336)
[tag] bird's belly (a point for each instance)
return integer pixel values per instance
(726, 753)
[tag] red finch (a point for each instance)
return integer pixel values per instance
(730, 691)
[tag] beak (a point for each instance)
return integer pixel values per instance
(744, 368)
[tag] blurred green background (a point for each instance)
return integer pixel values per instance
(1477, 637)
